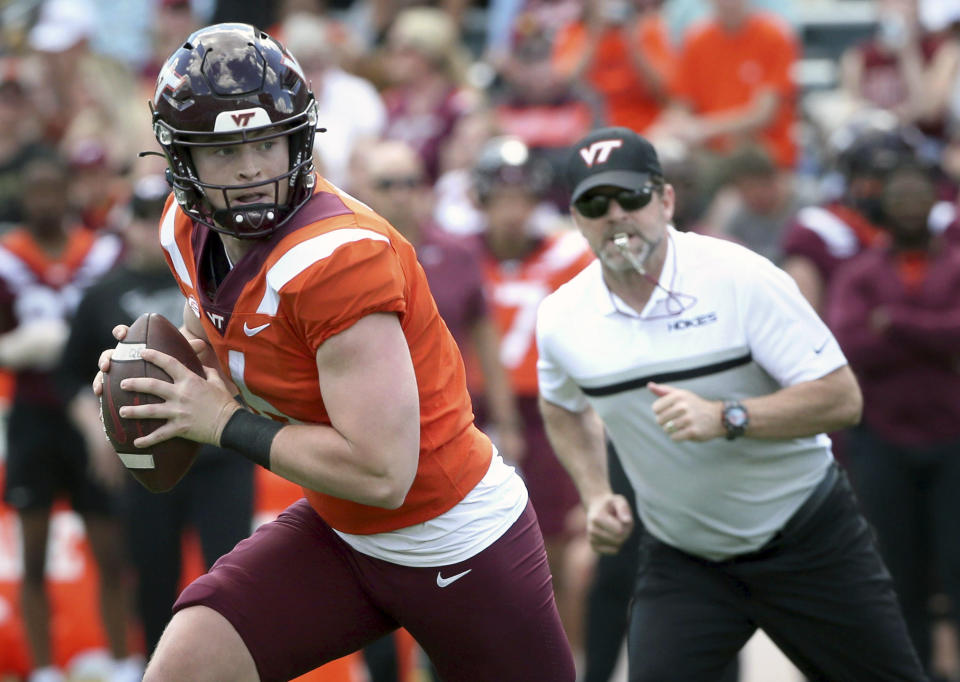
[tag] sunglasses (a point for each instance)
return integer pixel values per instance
(597, 205)
(406, 182)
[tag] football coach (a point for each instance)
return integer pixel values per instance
(716, 382)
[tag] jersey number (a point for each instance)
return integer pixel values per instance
(517, 340)
(238, 363)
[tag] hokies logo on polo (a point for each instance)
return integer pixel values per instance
(692, 323)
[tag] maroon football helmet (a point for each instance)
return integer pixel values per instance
(231, 83)
(507, 161)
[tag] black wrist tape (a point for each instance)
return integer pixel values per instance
(251, 435)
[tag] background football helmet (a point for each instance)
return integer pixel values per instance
(864, 151)
(506, 160)
(873, 143)
(232, 82)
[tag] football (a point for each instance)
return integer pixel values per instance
(163, 465)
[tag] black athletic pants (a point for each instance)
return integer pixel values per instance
(215, 498)
(911, 496)
(818, 589)
(609, 596)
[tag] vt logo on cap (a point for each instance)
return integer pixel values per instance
(612, 157)
(599, 152)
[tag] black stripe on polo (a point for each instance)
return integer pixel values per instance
(667, 377)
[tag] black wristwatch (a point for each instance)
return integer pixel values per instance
(735, 418)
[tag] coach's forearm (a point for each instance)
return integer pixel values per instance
(827, 404)
(577, 440)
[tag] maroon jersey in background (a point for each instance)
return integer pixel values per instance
(424, 129)
(833, 234)
(909, 373)
(453, 272)
(829, 236)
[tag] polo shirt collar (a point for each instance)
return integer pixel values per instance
(608, 303)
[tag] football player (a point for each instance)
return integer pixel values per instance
(822, 238)
(527, 254)
(313, 310)
(45, 265)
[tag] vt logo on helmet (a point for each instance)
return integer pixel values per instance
(233, 84)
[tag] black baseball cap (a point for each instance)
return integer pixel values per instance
(611, 156)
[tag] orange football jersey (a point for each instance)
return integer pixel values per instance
(330, 265)
(515, 289)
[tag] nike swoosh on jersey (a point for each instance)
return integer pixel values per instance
(444, 582)
(251, 331)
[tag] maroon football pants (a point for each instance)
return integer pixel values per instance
(300, 597)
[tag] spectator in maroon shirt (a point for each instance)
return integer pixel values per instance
(896, 313)
(425, 97)
(172, 22)
(98, 189)
(904, 68)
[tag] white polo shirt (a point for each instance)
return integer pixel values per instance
(744, 330)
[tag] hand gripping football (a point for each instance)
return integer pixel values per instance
(164, 464)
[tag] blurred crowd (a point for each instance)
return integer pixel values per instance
(453, 120)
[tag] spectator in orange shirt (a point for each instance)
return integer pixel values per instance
(622, 50)
(733, 83)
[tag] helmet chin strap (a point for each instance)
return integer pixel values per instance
(253, 218)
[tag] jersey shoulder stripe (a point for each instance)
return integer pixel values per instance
(300, 257)
(101, 257)
(564, 249)
(168, 241)
(839, 237)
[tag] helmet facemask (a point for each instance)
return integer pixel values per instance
(231, 84)
(246, 221)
